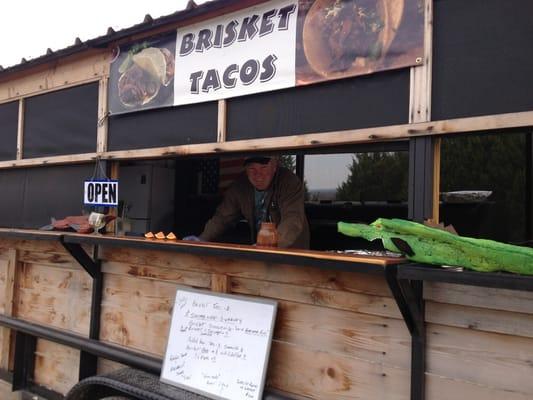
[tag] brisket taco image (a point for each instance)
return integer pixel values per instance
(349, 37)
(144, 76)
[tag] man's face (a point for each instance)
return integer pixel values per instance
(260, 175)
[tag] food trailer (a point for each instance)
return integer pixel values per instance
(414, 109)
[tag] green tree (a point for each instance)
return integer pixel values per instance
(494, 162)
(289, 161)
(376, 176)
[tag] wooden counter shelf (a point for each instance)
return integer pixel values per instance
(348, 326)
(30, 234)
(321, 259)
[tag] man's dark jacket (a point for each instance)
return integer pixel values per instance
(285, 200)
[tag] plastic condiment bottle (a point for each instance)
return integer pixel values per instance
(267, 235)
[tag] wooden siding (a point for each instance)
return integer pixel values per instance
(65, 73)
(338, 335)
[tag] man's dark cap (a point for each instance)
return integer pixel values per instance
(257, 159)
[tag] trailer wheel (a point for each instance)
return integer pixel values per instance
(117, 398)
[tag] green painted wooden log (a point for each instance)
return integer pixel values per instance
(435, 246)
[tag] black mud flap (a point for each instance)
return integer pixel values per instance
(134, 384)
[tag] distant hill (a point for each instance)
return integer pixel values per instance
(322, 194)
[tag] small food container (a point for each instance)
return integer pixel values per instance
(267, 235)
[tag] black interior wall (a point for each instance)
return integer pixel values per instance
(61, 122)
(8, 130)
(12, 183)
(482, 58)
(37, 194)
(171, 126)
(361, 102)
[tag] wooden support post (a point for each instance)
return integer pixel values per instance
(101, 132)
(20, 130)
(222, 121)
(88, 361)
(420, 90)
(419, 112)
(220, 283)
(114, 174)
(7, 337)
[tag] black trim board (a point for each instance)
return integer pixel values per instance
(499, 280)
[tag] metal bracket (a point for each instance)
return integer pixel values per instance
(409, 298)
(75, 250)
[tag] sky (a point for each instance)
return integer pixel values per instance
(320, 178)
(29, 27)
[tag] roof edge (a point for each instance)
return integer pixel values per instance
(192, 10)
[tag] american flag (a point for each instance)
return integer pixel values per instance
(217, 175)
(229, 170)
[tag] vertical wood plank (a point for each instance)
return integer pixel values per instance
(56, 366)
(101, 133)
(9, 302)
(6, 392)
(222, 123)
(112, 228)
(220, 283)
(20, 130)
(420, 89)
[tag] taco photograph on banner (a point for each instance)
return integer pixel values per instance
(342, 38)
(142, 76)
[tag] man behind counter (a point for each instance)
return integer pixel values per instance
(266, 192)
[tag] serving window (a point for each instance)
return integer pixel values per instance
(486, 185)
(355, 184)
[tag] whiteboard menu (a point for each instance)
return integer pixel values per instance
(219, 344)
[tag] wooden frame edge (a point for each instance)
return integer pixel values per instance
(20, 130)
(311, 140)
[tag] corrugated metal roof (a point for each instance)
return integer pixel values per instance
(148, 24)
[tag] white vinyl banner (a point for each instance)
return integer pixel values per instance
(249, 51)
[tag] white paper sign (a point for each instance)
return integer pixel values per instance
(219, 344)
(249, 51)
(101, 192)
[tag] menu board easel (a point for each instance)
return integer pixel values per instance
(219, 344)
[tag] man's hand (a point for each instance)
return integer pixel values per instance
(192, 238)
